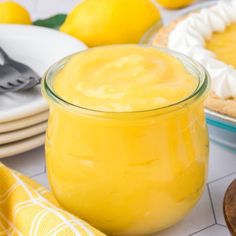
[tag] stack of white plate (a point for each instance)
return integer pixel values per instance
(23, 115)
(22, 133)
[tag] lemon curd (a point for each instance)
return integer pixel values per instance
(223, 45)
(127, 144)
(127, 78)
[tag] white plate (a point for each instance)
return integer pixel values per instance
(39, 48)
(21, 146)
(23, 123)
(21, 134)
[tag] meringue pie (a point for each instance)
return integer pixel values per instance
(209, 37)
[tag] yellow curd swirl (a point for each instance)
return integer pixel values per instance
(126, 173)
(223, 45)
(124, 78)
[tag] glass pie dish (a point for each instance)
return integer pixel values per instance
(222, 129)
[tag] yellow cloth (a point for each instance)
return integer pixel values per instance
(27, 208)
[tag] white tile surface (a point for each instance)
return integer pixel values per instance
(200, 218)
(215, 230)
(201, 221)
(217, 190)
(29, 163)
(42, 179)
(222, 162)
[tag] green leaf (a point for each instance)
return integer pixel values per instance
(53, 22)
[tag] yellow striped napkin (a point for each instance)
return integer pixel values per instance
(27, 208)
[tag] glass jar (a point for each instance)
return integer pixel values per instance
(128, 173)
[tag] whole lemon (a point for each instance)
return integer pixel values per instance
(174, 4)
(101, 22)
(13, 13)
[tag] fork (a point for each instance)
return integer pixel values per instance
(15, 76)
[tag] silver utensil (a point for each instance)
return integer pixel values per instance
(15, 76)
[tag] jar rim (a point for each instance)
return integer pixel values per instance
(200, 91)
